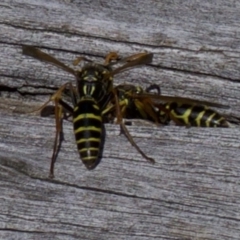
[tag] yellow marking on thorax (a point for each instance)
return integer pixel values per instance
(92, 90)
(85, 90)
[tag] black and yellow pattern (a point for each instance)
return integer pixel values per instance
(136, 103)
(132, 108)
(93, 91)
(88, 128)
(193, 115)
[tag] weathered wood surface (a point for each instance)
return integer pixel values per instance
(192, 192)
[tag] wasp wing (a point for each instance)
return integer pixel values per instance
(38, 54)
(159, 99)
(132, 61)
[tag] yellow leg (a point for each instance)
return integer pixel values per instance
(58, 120)
(125, 130)
(110, 57)
(56, 95)
(130, 139)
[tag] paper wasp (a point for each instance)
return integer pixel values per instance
(137, 103)
(89, 99)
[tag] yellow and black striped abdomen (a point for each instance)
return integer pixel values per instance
(194, 115)
(88, 129)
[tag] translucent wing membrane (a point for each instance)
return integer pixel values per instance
(38, 54)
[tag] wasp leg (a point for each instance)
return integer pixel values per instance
(41, 107)
(59, 105)
(109, 112)
(130, 139)
(59, 116)
(56, 98)
(125, 130)
(59, 134)
(110, 57)
(52, 98)
(146, 109)
(49, 111)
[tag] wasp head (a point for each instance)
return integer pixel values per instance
(94, 80)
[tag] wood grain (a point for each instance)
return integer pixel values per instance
(192, 192)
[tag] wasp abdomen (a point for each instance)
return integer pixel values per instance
(194, 115)
(88, 128)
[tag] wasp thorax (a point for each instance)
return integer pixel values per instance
(94, 81)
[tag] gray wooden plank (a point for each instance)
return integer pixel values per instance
(192, 192)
